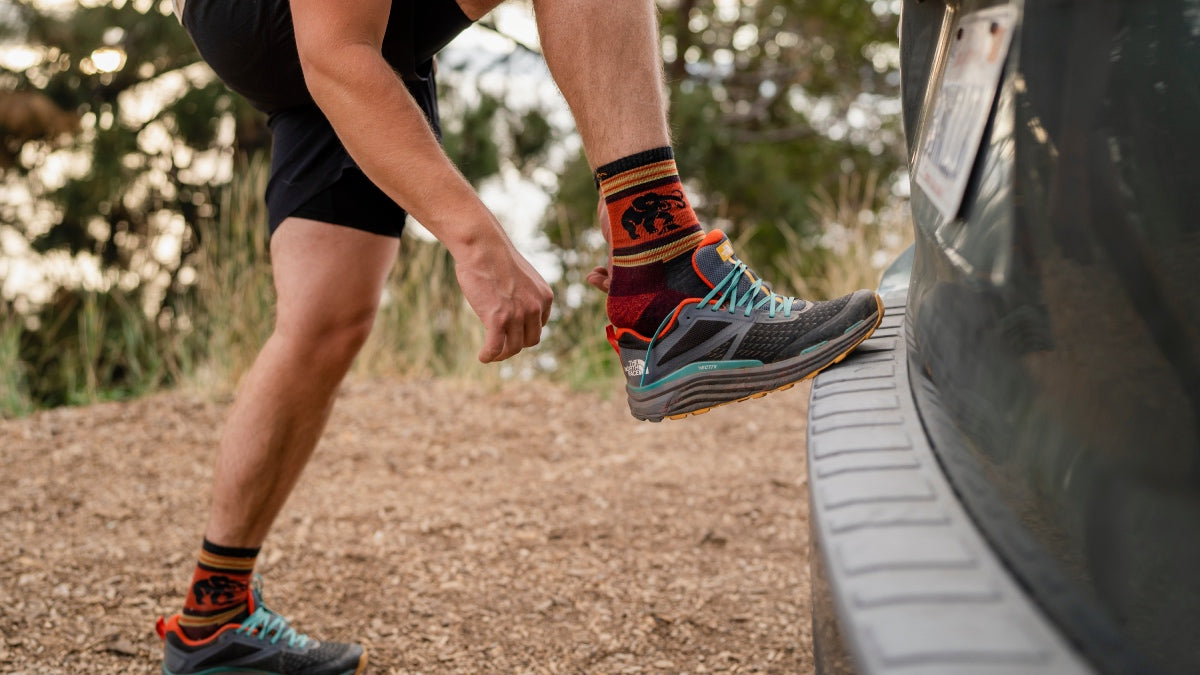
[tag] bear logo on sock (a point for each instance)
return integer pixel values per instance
(220, 590)
(648, 210)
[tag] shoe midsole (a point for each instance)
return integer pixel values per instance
(708, 388)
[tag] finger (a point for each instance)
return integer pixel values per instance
(547, 304)
(514, 338)
(601, 278)
(533, 330)
(598, 278)
(493, 345)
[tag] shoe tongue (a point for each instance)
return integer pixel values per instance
(715, 259)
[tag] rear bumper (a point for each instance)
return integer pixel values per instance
(902, 579)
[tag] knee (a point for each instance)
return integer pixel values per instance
(349, 335)
(330, 339)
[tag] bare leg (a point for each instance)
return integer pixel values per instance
(328, 280)
(604, 57)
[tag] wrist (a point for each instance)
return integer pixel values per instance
(470, 238)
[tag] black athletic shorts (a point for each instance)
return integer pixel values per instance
(251, 46)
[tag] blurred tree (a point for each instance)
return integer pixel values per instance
(496, 125)
(152, 135)
(115, 142)
(27, 116)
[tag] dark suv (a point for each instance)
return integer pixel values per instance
(1006, 478)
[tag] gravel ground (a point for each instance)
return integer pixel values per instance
(451, 527)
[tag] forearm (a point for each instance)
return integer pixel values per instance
(387, 135)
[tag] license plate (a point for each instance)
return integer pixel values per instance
(978, 50)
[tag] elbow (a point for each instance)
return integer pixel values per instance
(329, 70)
(319, 71)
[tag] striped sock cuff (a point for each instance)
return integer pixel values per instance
(191, 620)
(216, 558)
(228, 551)
(632, 162)
(631, 182)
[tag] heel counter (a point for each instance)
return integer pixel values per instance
(632, 352)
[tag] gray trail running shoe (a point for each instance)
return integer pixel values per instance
(739, 341)
(262, 643)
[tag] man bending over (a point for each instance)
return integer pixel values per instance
(349, 89)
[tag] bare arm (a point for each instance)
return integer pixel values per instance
(386, 133)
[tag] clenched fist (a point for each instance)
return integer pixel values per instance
(507, 294)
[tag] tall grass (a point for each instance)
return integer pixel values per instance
(92, 345)
(15, 399)
(85, 346)
(116, 352)
(856, 241)
(232, 309)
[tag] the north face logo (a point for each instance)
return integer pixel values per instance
(725, 250)
(652, 212)
(635, 368)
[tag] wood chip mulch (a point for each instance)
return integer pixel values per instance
(451, 527)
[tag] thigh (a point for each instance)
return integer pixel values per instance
(326, 276)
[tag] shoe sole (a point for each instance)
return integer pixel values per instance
(224, 670)
(699, 393)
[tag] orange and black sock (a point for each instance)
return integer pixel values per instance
(220, 589)
(654, 232)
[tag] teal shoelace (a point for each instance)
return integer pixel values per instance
(267, 625)
(728, 295)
